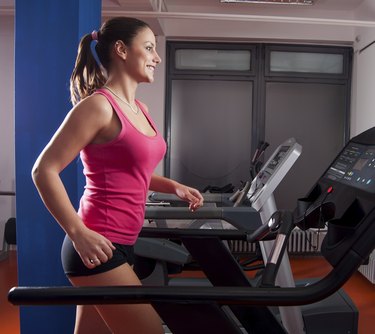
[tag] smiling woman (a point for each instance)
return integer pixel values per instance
(120, 147)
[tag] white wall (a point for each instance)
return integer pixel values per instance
(7, 159)
(263, 31)
(363, 93)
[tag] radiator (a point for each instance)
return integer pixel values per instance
(300, 242)
(306, 242)
(368, 270)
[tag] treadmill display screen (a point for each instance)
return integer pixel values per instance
(277, 158)
(355, 166)
(274, 163)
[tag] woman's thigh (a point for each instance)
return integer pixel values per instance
(126, 318)
(89, 321)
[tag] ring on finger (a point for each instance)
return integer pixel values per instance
(94, 261)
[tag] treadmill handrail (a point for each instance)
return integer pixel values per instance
(208, 197)
(229, 214)
(273, 296)
(170, 233)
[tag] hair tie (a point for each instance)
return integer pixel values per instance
(94, 35)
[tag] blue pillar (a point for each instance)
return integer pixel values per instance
(46, 41)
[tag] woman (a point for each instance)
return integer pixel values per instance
(120, 147)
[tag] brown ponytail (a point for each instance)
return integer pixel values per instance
(87, 75)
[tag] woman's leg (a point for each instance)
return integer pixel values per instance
(126, 318)
(89, 321)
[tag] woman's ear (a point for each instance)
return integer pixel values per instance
(120, 49)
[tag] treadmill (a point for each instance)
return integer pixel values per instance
(306, 319)
(259, 194)
(343, 198)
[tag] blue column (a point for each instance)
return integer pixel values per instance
(46, 41)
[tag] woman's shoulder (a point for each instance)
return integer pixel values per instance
(95, 105)
(96, 100)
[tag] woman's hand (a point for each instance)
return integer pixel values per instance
(93, 248)
(190, 195)
(168, 186)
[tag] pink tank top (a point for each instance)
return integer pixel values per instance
(118, 175)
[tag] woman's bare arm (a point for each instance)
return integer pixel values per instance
(82, 126)
(188, 194)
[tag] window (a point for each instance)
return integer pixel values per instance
(306, 62)
(213, 60)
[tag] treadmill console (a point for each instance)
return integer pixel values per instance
(355, 166)
(273, 172)
(343, 201)
(273, 164)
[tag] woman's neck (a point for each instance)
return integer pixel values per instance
(124, 87)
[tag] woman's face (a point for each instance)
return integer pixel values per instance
(141, 57)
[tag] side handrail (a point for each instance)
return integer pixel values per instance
(240, 217)
(270, 296)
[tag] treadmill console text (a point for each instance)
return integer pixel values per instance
(355, 166)
(273, 172)
(270, 168)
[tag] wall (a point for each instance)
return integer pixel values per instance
(264, 31)
(363, 97)
(7, 160)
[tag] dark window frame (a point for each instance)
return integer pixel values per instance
(259, 75)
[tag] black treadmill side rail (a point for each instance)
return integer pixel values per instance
(223, 295)
(240, 217)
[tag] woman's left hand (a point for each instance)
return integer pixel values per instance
(190, 195)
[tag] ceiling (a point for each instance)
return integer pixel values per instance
(338, 9)
(325, 20)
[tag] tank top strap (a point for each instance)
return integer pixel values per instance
(147, 115)
(112, 101)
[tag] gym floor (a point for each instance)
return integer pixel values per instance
(358, 287)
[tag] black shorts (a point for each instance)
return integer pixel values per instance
(73, 265)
